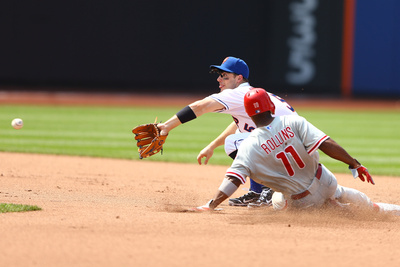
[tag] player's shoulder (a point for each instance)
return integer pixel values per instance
(250, 143)
(293, 118)
(281, 106)
(238, 91)
(290, 119)
(244, 87)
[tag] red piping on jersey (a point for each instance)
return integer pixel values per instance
(315, 147)
(241, 178)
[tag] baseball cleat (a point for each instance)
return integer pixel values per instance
(244, 200)
(265, 199)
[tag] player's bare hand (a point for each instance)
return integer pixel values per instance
(163, 129)
(206, 153)
(205, 207)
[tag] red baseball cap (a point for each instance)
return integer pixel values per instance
(257, 101)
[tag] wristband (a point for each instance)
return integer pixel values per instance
(186, 114)
(227, 187)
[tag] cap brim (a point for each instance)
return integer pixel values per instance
(220, 68)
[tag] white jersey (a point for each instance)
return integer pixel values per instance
(282, 155)
(233, 101)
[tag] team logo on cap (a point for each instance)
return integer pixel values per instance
(225, 60)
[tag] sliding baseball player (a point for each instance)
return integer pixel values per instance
(282, 153)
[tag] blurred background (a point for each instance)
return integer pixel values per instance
(336, 48)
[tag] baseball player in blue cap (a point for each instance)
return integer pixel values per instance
(233, 75)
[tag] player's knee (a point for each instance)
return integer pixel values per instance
(233, 141)
(229, 145)
(353, 196)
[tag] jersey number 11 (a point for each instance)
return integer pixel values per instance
(283, 157)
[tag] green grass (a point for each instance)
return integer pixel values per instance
(100, 132)
(370, 136)
(4, 207)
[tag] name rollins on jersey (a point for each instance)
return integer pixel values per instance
(277, 140)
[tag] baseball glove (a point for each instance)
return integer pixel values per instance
(149, 140)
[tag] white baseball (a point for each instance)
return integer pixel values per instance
(278, 201)
(17, 123)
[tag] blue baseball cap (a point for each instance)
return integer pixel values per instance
(235, 65)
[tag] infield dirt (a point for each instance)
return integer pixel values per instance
(109, 212)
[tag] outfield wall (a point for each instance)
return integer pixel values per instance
(308, 47)
(377, 48)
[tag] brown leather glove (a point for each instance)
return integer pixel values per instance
(149, 140)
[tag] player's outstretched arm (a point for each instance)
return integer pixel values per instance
(228, 186)
(208, 151)
(189, 113)
(335, 151)
(170, 124)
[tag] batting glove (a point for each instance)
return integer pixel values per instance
(362, 173)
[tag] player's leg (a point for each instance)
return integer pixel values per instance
(353, 196)
(391, 208)
(258, 194)
(321, 190)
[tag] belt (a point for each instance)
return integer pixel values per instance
(306, 193)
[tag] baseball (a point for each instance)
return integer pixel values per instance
(278, 201)
(17, 123)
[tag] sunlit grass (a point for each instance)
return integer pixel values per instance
(371, 137)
